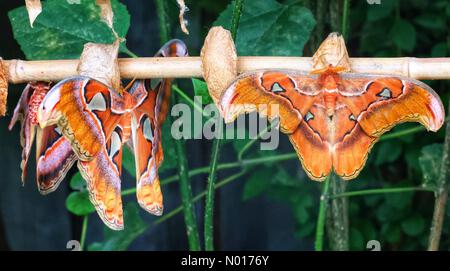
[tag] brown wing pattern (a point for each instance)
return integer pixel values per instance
(54, 157)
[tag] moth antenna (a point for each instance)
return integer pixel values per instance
(129, 85)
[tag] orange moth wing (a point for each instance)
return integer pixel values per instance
(147, 120)
(54, 156)
(93, 118)
(81, 107)
(333, 119)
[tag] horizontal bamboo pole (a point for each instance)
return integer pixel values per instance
(21, 71)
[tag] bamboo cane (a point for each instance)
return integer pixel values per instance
(20, 71)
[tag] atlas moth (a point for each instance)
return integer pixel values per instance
(333, 118)
(82, 120)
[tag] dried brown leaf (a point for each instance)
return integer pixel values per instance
(106, 12)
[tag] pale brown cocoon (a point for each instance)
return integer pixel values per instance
(219, 61)
(333, 52)
(99, 61)
(3, 87)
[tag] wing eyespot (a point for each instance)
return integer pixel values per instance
(309, 116)
(385, 93)
(276, 88)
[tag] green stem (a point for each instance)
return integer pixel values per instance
(209, 203)
(224, 166)
(185, 185)
(253, 141)
(129, 53)
(272, 158)
(441, 193)
(380, 191)
(345, 12)
(320, 226)
(186, 195)
(404, 132)
(189, 100)
(199, 196)
(84, 231)
(162, 21)
(237, 11)
(337, 224)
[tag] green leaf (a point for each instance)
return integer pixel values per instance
(62, 29)
(392, 233)
(439, 50)
(239, 143)
(403, 35)
(77, 182)
(79, 204)
(301, 214)
(128, 161)
(413, 225)
(388, 152)
(399, 200)
(257, 183)
(121, 19)
(412, 155)
(201, 89)
(270, 28)
(386, 213)
(305, 230)
(431, 21)
(283, 179)
(121, 240)
(356, 239)
(368, 230)
(430, 163)
(380, 11)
